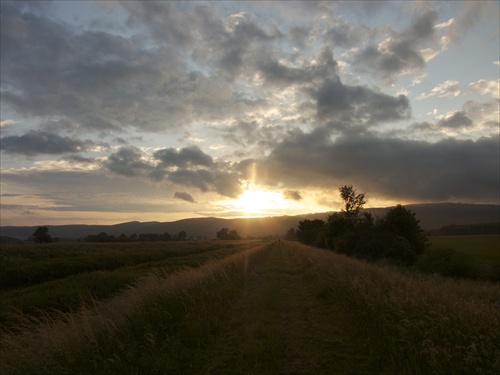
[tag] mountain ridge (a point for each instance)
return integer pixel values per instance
(430, 215)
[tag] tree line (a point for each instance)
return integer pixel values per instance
(41, 235)
(356, 232)
(143, 237)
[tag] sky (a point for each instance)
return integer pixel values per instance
(115, 111)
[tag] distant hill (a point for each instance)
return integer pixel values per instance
(431, 216)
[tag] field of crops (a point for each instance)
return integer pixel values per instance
(483, 248)
(236, 308)
(35, 279)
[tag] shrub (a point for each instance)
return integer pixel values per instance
(447, 262)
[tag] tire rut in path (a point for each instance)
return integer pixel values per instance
(282, 325)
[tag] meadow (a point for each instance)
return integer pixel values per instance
(237, 308)
(483, 248)
(36, 278)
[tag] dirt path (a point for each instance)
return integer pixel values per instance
(282, 325)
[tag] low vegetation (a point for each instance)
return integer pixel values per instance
(264, 308)
(398, 238)
(483, 248)
(64, 276)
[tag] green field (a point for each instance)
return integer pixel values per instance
(483, 248)
(236, 308)
(65, 276)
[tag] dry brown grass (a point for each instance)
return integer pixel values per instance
(410, 323)
(38, 342)
(424, 324)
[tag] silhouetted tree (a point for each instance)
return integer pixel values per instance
(311, 232)
(343, 228)
(166, 237)
(402, 222)
(226, 234)
(41, 235)
(291, 235)
(222, 234)
(397, 235)
(353, 203)
(104, 237)
(233, 235)
(181, 236)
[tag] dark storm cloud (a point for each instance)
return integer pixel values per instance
(40, 142)
(358, 104)
(188, 166)
(127, 162)
(459, 120)
(184, 196)
(187, 156)
(346, 35)
(101, 81)
(446, 170)
(64, 73)
(80, 159)
(251, 134)
(232, 41)
(340, 105)
(166, 21)
(456, 121)
(222, 43)
(292, 195)
(224, 183)
(237, 44)
(277, 73)
(400, 53)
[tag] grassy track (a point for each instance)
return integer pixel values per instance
(483, 248)
(276, 308)
(281, 324)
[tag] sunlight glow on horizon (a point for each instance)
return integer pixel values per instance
(256, 201)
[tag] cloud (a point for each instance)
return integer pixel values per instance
(40, 142)
(484, 114)
(166, 21)
(292, 195)
(487, 87)
(400, 53)
(281, 85)
(357, 105)
(188, 166)
(68, 191)
(457, 120)
(344, 34)
(445, 89)
(473, 117)
(224, 183)
(450, 169)
(127, 162)
(184, 196)
(471, 15)
(6, 122)
(187, 156)
(103, 81)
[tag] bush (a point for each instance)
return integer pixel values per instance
(447, 262)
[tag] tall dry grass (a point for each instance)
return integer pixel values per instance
(418, 324)
(414, 324)
(60, 341)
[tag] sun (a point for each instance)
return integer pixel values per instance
(254, 201)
